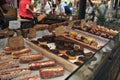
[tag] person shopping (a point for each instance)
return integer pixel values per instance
(4, 6)
(25, 11)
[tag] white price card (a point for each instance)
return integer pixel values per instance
(14, 24)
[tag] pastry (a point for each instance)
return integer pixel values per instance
(87, 55)
(81, 59)
(78, 63)
(62, 51)
(55, 51)
(51, 72)
(45, 46)
(35, 42)
(77, 53)
(81, 49)
(43, 43)
(71, 55)
(64, 56)
(84, 39)
(76, 47)
(93, 43)
(78, 37)
(73, 34)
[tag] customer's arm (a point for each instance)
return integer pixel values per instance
(28, 8)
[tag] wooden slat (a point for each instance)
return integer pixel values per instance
(82, 44)
(66, 64)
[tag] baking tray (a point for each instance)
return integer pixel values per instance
(35, 50)
(101, 41)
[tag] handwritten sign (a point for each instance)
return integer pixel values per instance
(60, 30)
(41, 17)
(16, 42)
(14, 24)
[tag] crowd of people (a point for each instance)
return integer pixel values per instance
(26, 8)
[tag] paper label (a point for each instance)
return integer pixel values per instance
(60, 31)
(51, 45)
(14, 24)
(16, 42)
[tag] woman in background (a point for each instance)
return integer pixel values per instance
(25, 11)
(59, 10)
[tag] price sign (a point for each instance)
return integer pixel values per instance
(14, 24)
(60, 30)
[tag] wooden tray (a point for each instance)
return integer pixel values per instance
(50, 55)
(82, 43)
(92, 35)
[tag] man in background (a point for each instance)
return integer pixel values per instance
(3, 9)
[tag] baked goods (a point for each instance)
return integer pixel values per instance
(87, 55)
(84, 39)
(30, 57)
(7, 50)
(5, 57)
(64, 56)
(42, 64)
(73, 34)
(35, 42)
(17, 54)
(27, 77)
(42, 43)
(2, 53)
(51, 72)
(62, 51)
(78, 37)
(13, 73)
(71, 55)
(81, 59)
(9, 64)
(55, 51)
(78, 63)
(93, 43)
